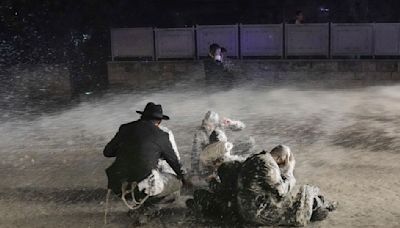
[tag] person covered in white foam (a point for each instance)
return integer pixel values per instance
(284, 158)
(216, 153)
(212, 122)
(266, 194)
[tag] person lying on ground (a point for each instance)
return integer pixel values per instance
(218, 202)
(266, 193)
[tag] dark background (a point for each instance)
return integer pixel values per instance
(76, 32)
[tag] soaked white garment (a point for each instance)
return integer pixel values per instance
(163, 166)
(160, 184)
(163, 180)
(212, 122)
(171, 140)
(218, 151)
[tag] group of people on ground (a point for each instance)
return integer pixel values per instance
(231, 185)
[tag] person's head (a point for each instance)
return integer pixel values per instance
(281, 155)
(153, 113)
(155, 121)
(299, 16)
(223, 53)
(210, 121)
(223, 50)
(218, 136)
(214, 50)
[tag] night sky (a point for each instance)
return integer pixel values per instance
(47, 22)
(76, 32)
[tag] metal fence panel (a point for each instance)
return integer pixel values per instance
(132, 42)
(387, 39)
(352, 39)
(307, 39)
(224, 35)
(261, 40)
(175, 43)
(381, 39)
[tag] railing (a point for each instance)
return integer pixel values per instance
(328, 40)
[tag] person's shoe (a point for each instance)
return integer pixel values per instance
(319, 214)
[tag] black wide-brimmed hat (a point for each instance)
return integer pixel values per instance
(153, 111)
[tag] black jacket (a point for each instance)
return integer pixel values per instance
(137, 147)
(216, 74)
(215, 70)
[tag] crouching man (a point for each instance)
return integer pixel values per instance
(146, 159)
(266, 193)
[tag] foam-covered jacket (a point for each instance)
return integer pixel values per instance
(266, 197)
(202, 139)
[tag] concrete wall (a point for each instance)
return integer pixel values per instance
(138, 74)
(39, 81)
(142, 74)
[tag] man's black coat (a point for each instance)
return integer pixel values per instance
(137, 147)
(216, 74)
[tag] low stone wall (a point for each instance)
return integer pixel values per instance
(137, 74)
(303, 70)
(38, 81)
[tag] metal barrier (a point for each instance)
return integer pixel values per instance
(352, 39)
(307, 39)
(132, 42)
(261, 40)
(175, 43)
(374, 39)
(387, 39)
(224, 35)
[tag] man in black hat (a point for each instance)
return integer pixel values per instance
(139, 146)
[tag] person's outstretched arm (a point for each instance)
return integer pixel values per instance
(168, 153)
(234, 125)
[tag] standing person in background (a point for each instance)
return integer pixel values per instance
(215, 71)
(223, 54)
(213, 65)
(214, 52)
(299, 17)
(228, 65)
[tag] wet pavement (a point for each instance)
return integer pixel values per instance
(346, 140)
